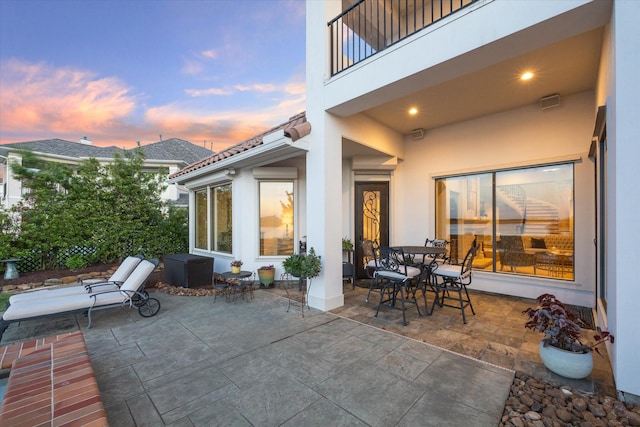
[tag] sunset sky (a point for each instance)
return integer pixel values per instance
(120, 71)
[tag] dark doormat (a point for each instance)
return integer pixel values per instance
(585, 314)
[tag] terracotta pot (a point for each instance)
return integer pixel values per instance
(568, 364)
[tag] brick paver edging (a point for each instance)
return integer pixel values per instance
(51, 382)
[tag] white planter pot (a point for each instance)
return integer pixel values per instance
(566, 363)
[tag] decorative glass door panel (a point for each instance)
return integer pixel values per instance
(372, 218)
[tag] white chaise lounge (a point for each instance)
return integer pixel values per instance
(88, 286)
(131, 293)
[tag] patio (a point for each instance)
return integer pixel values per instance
(252, 363)
(495, 335)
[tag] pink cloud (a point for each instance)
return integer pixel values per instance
(210, 54)
(36, 98)
(41, 102)
(225, 128)
(257, 87)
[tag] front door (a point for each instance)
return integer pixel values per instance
(372, 218)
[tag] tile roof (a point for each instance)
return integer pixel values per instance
(242, 146)
(168, 149)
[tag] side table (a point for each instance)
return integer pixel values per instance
(229, 288)
(12, 271)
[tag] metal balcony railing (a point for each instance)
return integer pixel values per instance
(370, 26)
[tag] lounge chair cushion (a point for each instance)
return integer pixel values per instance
(69, 303)
(118, 277)
(447, 270)
(121, 274)
(58, 292)
(399, 275)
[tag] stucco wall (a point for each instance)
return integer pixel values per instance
(525, 136)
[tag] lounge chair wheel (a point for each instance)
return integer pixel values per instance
(149, 308)
(138, 299)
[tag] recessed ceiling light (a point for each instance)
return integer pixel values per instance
(526, 75)
(413, 111)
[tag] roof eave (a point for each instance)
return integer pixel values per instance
(275, 147)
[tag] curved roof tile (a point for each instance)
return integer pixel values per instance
(241, 147)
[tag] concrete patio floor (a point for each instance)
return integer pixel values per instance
(496, 334)
(200, 363)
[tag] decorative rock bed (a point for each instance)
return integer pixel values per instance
(535, 403)
(67, 280)
(189, 292)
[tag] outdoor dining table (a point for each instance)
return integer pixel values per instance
(425, 251)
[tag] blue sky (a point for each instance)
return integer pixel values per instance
(122, 71)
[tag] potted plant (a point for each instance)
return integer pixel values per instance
(293, 265)
(348, 270)
(235, 266)
(561, 349)
(303, 266)
(347, 244)
(266, 275)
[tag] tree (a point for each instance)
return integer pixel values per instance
(104, 212)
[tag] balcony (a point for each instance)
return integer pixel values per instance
(370, 26)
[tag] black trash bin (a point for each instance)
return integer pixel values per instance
(188, 270)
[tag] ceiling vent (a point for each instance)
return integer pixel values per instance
(550, 101)
(417, 133)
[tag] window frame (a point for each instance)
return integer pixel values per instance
(211, 217)
(294, 216)
(494, 222)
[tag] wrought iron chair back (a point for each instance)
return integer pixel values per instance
(369, 248)
(450, 284)
(440, 258)
(391, 259)
(397, 281)
(467, 264)
(369, 262)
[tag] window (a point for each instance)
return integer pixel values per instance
(276, 217)
(216, 221)
(521, 220)
(202, 223)
(222, 223)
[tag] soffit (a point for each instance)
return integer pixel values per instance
(564, 68)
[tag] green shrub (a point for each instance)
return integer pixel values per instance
(76, 262)
(110, 210)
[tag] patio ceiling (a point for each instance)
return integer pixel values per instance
(566, 67)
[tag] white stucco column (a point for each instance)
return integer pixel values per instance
(324, 176)
(624, 199)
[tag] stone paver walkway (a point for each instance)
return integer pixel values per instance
(251, 363)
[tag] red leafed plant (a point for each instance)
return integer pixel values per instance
(561, 326)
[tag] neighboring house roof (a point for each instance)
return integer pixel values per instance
(174, 149)
(182, 200)
(243, 146)
(60, 147)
